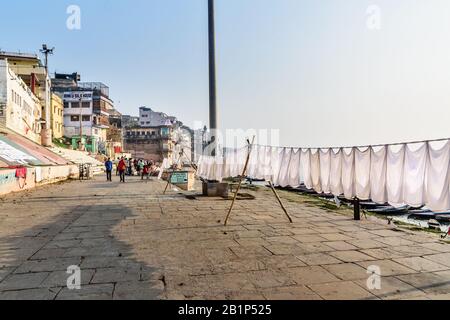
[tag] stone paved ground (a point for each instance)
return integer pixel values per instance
(133, 243)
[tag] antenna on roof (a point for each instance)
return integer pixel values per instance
(46, 51)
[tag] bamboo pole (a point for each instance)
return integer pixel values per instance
(279, 200)
(240, 179)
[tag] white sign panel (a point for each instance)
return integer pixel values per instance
(11, 154)
(86, 96)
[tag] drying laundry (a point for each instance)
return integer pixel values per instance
(362, 173)
(414, 175)
(325, 170)
(409, 174)
(348, 173)
(378, 171)
(394, 175)
(336, 173)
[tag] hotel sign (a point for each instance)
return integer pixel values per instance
(74, 96)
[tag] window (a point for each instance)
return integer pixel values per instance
(75, 104)
(86, 105)
(86, 118)
(74, 118)
(66, 105)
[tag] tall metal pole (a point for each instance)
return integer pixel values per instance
(212, 73)
(81, 122)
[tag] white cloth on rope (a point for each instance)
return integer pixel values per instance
(283, 177)
(294, 169)
(378, 175)
(315, 171)
(437, 178)
(253, 162)
(362, 173)
(348, 173)
(336, 173)
(305, 168)
(414, 175)
(325, 170)
(394, 175)
(275, 161)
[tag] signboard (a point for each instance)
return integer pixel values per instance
(13, 155)
(76, 95)
(179, 178)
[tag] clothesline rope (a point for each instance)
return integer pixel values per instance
(362, 147)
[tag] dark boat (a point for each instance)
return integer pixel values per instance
(443, 217)
(421, 214)
(388, 210)
(367, 205)
(428, 214)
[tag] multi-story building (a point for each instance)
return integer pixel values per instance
(57, 116)
(155, 144)
(149, 118)
(20, 108)
(89, 107)
(158, 137)
(29, 69)
(129, 121)
(80, 120)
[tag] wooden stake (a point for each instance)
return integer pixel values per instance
(240, 179)
(279, 200)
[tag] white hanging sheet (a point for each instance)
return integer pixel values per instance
(336, 173)
(362, 173)
(275, 161)
(378, 175)
(305, 168)
(348, 173)
(394, 176)
(414, 174)
(294, 169)
(315, 171)
(325, 170)
(283, 176)
(437, 178)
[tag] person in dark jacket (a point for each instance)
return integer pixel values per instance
(109, 169)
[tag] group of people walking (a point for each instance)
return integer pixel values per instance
(130, 167)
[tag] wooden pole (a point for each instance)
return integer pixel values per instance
(279, 200)
(240, 179)
(356, 210)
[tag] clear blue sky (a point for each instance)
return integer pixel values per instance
(310, 68)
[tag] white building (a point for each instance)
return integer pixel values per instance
(20, 109)
(80, 104)
(150, 118)
(29, 68)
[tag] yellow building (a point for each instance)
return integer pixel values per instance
(57, 116)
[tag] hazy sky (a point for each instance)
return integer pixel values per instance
(312, 69)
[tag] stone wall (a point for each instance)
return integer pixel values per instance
(36, 176)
